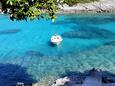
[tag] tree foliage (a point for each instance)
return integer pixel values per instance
(32, 9)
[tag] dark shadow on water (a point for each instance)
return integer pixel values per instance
(9, 31)
(10, 74)
(51, 44)
(89, 32)
(77, 77)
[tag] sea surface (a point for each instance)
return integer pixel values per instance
(26, 54)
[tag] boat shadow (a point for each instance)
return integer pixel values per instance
(51, 44)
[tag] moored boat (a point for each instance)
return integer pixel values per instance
(56, 39)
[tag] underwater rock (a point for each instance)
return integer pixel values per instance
(94, 20)
(9, 31)
(107, 80)
(110, 43)
(89, 32)
(33, 53)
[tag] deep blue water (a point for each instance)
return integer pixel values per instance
(88, 41)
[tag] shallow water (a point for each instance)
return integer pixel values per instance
(88, 41)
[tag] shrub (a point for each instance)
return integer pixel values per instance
(73, 2)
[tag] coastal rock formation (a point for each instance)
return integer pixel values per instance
(97, 6)
(93, 78)
(61, 81)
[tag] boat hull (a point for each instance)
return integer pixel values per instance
(56, 39)
(56, 43)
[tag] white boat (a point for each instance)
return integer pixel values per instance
(56, 39)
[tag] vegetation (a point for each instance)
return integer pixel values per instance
(32, 9)
(73, 2)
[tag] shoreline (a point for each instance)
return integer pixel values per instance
(102, 6)
(96, 7)
(84, 13)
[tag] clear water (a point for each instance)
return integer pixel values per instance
(88, 41)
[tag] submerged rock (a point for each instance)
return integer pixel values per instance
(33, 53)
(108, 80)
(9, 31)
(89, 32)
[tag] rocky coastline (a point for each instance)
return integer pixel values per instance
(102, 6)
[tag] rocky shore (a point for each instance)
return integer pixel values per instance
(102, 6)
(91, 78)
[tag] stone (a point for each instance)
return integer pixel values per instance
(35, 84)
(20, 84)
(97, 6)
(65, 5)
(61, 81)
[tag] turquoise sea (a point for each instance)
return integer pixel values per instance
(26, 54)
